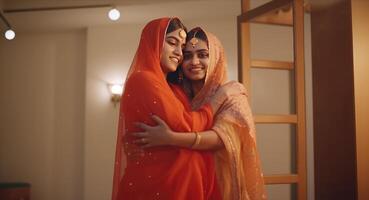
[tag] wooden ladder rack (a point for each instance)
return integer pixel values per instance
(286, 13)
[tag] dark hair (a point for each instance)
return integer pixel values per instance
(175, 24)
(173, 77)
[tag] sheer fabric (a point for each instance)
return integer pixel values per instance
(238, 166)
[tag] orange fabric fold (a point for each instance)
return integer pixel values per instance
(159, 172)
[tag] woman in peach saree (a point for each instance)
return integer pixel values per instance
(164, 172)
(232, 138)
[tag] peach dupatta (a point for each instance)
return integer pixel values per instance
(238, 164)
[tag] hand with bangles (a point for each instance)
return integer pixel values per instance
(163, 135)
(159, 135)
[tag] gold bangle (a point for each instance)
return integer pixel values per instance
(194, 141)
(197, 140)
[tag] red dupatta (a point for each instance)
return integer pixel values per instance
(160, 172)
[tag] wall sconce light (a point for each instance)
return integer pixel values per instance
(116, 91)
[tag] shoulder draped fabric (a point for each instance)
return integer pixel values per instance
(159, 172)
(237, 165)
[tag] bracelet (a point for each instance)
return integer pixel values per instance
(197, 140)
(194, 142)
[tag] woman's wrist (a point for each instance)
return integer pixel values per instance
(179, 139)
(172, 138)
(196, 141)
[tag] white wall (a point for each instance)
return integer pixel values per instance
(109, 54)
(42, 97)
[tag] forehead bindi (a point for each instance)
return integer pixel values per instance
(200, 46)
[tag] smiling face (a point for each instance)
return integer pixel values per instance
(195, 60)
(171, 54)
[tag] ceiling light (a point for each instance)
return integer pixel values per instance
(9, 34)
(114, 14)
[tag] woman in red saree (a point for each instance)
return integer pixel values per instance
(232, 137)
(164, 172)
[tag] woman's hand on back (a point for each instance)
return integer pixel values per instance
(152, 136)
